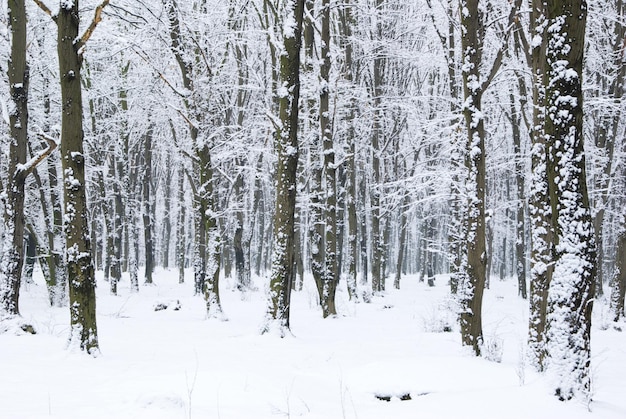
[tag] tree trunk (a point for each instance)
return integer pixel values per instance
(132, 239)
(167, 224)
(211, 240)
(571, 291)
(243, 274)
(118, 230)
(401, 241)
(82, 282)
(180, 227)
(286, 175)
(331, 275)
(363, 244)
(618, 282)
(542, 236)
(378, 81)
(147, 215)
(474, 279)
(520, 220)
(13, 248)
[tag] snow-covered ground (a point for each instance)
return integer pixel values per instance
(177, 364)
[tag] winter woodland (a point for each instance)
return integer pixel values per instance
(348, 153)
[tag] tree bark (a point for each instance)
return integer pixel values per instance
(540, 208)
(13, 248)
(331, 275)
(474, 279)
(180, 227)
(378, 81)
(520, 220)
(571, 291)
(81, 276)
(286, 140)
(147, 216)
(618, 282)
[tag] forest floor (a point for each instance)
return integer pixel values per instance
(176, 364)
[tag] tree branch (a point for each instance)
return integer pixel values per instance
(45, 9)
(146, 59)
(28, 167)
(503, 47)
(92, 26)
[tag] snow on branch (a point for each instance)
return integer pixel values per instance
(28, 167)
(45, 9)
(515, 7)
(141, 54)
(97, 18)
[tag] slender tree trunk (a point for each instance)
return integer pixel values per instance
(180, 227)
(540, 208)
(618, 282)
(475, 244)
(243, 274)
(331, 275)
(147, 215)
(211, 239)
(363, 222)
(167, 224)
(132, 239)
(378, 81)
(401, 241)
(118, 230)
(520, 220)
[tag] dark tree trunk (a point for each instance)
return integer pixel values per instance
(520, 220)
(475, 243)
(571, 292)
(618, 282)
(286, 140)
(542, 236)
(331, 276)
(243, 274)
(13, 248)
(81, 276)
(378, 81)
(147, 215)
(167, 224)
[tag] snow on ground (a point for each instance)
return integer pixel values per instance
(177, 364)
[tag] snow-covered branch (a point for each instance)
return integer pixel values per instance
(97, 18)
(28, 167)
(45, 9)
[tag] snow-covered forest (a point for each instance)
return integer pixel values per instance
(402, 208)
